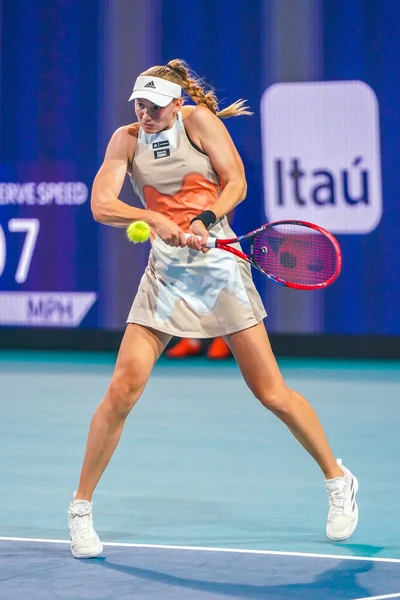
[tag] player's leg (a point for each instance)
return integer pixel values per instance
(256, 360)
(140, 349)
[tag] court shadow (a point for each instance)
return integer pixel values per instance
(362, 549)
(337, 582)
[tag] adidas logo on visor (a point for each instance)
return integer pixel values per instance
(150, 85)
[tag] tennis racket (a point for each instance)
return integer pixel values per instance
(296, 254)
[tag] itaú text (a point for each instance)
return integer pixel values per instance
(323, 187)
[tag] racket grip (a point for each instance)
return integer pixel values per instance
(210, 243)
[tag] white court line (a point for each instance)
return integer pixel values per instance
(206, 549)
(381, 597)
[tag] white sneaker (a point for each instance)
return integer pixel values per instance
(343, 509)
(85, 542)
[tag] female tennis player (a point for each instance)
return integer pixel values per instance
(188, 174)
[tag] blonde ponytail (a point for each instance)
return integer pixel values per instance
(179, 72)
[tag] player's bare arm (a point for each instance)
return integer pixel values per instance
(215, 141)
(105, 204)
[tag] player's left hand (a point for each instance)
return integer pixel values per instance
(200, 235)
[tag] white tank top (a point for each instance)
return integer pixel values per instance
(171, 176)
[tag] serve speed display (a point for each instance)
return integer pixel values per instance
(48, 274)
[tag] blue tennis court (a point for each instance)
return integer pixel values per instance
(208, 495)
(45, 570)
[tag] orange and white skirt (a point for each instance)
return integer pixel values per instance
(186, 293)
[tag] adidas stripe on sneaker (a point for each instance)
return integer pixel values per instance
(343, 509)
(85, 542)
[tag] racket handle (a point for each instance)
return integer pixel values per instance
(210, 243)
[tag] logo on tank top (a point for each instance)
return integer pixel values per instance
(150, 85)
(162, 153)
(162, 144)
(161, 149)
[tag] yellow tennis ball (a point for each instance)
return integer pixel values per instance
(138, 231)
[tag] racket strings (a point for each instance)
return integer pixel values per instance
(295, 253)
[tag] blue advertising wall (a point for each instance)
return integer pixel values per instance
(361, 42)
(52, 109)
(48, 137)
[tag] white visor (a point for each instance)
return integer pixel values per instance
(157, 90)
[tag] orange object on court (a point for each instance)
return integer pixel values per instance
(218, 349)
(185, 347)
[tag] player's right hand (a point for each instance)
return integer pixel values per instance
(169, 231)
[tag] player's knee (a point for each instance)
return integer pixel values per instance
(277, 400)
(125, 388)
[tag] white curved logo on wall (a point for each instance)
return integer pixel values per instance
(321, 154)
